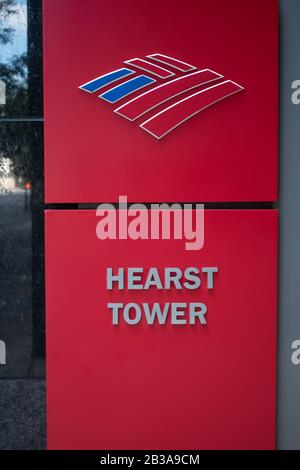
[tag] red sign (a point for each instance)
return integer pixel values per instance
(160, 100)
(201, 374)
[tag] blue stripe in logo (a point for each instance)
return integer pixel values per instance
(104, 80)
(126, 88)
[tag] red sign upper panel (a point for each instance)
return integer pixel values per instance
(160, 100)
(178, 384)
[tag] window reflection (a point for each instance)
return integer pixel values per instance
(22, 328)
(13, 57)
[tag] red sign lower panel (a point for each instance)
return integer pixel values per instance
(162, 386)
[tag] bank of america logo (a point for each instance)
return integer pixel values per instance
(166, 91)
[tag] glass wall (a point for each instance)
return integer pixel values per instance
(22, 318)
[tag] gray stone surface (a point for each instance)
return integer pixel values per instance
(288, 422)
(22, 414)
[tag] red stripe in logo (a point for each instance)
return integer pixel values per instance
(171, 117)
(149, 67)
(177, 64)
(158, 95)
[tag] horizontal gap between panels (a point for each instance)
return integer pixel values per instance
(207, 205)
(23, 379)
(22, 119)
